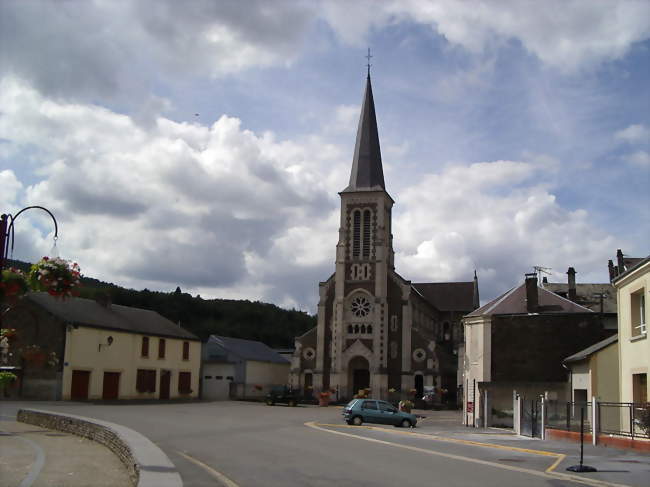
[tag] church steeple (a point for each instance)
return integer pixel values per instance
(367, 172)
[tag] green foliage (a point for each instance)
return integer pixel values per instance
(6, 378)
(643, 417)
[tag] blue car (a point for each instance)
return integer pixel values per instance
(359, 411)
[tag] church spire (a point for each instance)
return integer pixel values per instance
(367, 172)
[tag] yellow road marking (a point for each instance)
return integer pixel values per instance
(216, 474)
(549, 473)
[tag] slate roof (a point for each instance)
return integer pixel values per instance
(88, 312)
(448, 296)
(583, 354)
(585, 295)
(367, 172)
(514, 302)
(244, 349)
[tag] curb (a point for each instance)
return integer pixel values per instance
(602, 440)
(147, 465)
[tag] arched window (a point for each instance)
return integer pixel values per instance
(356, 328)
(350, 328)
(366, 233)
(363, 328)
(369, 328)
(356, 233)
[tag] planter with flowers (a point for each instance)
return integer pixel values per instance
(34, 355)
(6, 378)
(8, 333)
(57, 277)
(406, 406)
(13, 284)
(324, 398)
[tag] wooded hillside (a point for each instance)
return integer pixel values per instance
(251, 320)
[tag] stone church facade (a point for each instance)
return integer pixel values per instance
(375, 329)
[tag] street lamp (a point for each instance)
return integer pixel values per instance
(7, 231)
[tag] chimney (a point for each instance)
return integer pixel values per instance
(532, 300)
(612, 270)
(572, 284)
(620, 262)
(103, 299)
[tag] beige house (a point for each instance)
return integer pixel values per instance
(99, 350)
(594, 372)
(632, 284)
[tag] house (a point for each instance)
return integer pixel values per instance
(376, 329)
(518, 341)
(598, 297)
(632, 282)
(593, 372)
(243, 369)
(80, 349)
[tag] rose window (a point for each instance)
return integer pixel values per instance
(360, 306)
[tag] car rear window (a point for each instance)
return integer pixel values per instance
(351, 403)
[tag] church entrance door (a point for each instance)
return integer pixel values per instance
(359, 370)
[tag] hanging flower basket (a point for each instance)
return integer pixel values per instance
(13, 283)
(57, 277)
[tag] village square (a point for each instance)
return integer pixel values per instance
(317, 334)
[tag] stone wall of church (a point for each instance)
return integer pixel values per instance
(394, 363)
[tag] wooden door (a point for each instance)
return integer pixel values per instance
(111, 385)
(165, 379)
(79, 387)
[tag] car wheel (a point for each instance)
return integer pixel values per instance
(405, 423)
(357, 421)
(292, 403)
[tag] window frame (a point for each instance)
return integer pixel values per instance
(144, 347)
(186, 350)
(162, 346)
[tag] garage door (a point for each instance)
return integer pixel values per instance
(215, 387)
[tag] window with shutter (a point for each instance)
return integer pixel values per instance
(186, 350)
(145, 347)
(161, 348)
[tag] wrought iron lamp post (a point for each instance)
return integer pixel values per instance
(7, 231)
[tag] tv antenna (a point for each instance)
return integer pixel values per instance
(539, 270)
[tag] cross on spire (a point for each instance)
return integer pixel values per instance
(368, 56)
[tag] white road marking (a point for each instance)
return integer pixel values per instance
(215, 473)
(38, 464)
(548, 475)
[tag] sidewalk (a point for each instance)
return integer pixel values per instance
(38, 457)
(627, 467)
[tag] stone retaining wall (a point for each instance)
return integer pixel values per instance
(87, 429)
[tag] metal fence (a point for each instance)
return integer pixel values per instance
(623, 418)
(614, 418)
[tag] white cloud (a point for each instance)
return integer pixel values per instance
(174, 203)
(494, 217)
(638, 158)
(637, 133)
(563, 34)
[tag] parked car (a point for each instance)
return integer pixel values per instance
(283, 395)
(359, 411)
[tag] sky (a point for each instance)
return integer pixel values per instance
(202, 144)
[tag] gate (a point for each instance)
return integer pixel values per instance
(531, 418)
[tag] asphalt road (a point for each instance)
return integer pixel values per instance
(253, 445)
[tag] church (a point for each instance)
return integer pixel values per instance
(376, 329)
